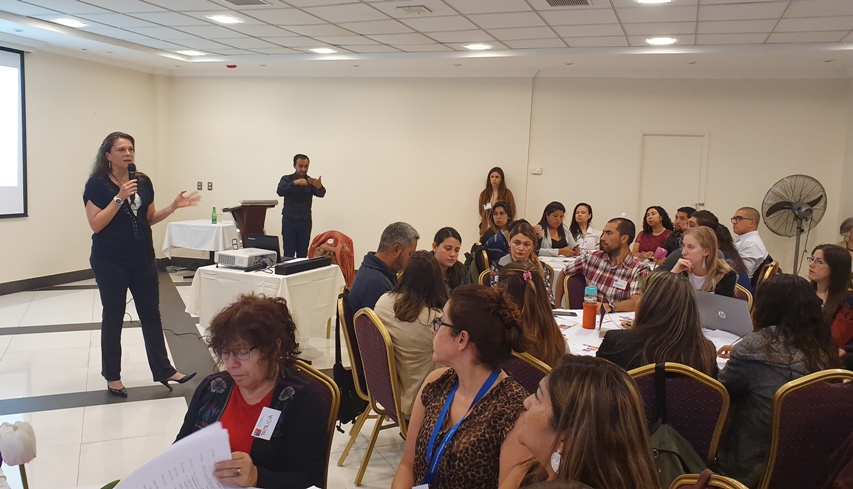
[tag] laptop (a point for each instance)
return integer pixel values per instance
(264, 242)
(724, 313)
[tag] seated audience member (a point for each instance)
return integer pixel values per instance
(726, 246)
(666, 328)
(555, 239)
(446, 246)
(657, 227)
(699, 218)
(828, 273)
(495, 239)
(614, 270)
(673, 242)
(585, 424)
(522, 247)
(748, 242)
(477, 332)
(790, 340)
(408, 312)
(847, 235)
(581, 228)
(255, 341)
(541, 337)
(494, 192)
(700, 262)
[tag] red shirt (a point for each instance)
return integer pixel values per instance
(650, 242)
(240, 417)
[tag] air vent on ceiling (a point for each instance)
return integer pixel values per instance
(247, 3)
(567, 3)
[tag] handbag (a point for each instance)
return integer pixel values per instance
(351, 404)
(674, 455)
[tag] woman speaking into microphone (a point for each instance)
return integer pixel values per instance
(120, 210)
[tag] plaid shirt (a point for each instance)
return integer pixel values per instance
(599, 271)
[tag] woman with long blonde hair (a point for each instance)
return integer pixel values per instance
(541, 337)
(699, 261)
(586, 424)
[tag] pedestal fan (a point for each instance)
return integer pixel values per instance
(791, 203)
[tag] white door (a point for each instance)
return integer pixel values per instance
(672, 172)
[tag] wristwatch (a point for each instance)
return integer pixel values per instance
(118, 200)
(612, 306)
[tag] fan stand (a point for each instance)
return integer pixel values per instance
(800, 232)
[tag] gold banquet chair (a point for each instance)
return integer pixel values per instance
(713, 481)
(743, 294)
(333, 398)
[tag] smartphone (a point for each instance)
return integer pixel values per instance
(564, 312)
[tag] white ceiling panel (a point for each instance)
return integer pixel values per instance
(819, 8)
(276, 50)
(164, 33)
(707, 39)
(233, 52)
(488, 6)
(353, 12)
(21, 8)
(246, 43)
(126, 6)
(402, 39)
(346, 40)
(438, 24)
(728, 2)
(574, 17)
(662, 13)
(282, 16)
(660, 28)
(209, 31)
(633, 3)
(425, 48)
(294, 42)
(735, 26)
(201, 44)
(686, 40)
(204, 14)
(597, 42)
(791, 37)
(496, 21)
(517, 33)
(462, 36)
(377, 48)
(115, 33)
(316, 3)
(377, 27)
(184, 5)
(320, 30)
(117, 20)
(158, 44)
(536, 44)
(542, 5)
(746, 11)
(263, 30)
(66, 6)
(839, 23)
(390, 8)
(172, 19)
(598, 30)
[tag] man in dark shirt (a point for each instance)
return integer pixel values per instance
(298, 190)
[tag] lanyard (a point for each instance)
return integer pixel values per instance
(432, 462)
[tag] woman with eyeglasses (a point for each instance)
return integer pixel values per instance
(828, 273)
(461, 432)
(846, 231)
(408, 312)
(255, 341)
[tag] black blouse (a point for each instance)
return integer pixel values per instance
(127, 238)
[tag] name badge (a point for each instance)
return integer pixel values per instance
(266, 423)
(486, 206)
(422, 486)
(620, 284)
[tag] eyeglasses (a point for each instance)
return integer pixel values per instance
(437, 323)
(738, 219)
(241, 354)
(815, 261)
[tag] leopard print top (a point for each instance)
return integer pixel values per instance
(472, 459)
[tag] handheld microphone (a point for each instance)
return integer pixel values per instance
(131, 175)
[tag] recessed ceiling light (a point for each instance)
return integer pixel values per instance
(660, 41)
(191, 53)
(225, 19)
(323, 51)
(654, 1)
(70, 23)
(477, 47)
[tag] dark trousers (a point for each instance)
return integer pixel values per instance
(113, 282)
(295, 234)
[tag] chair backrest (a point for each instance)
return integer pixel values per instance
(483, 261)
(812, 417)
(696, 405)
(548, 270)
(574, 286)
(744, 295)
(769, 269)
(485, 278)
(332, 399)
(380, 369)
(526, 369)
(688, 481)
(337, 246)
(355, 363)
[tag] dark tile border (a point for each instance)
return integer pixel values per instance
(46, 281)
(91, 398)
(58, 328)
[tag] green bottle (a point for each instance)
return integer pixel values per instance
(213, 216)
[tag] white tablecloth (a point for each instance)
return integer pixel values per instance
(311, 296)
(199, 234)
(586, 341)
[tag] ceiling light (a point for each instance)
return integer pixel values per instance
(323, 51)
(660, 41)
(653, 1)
(70, 23)
(225, 19)
(414, 9)
(191, 53)
(477, 47)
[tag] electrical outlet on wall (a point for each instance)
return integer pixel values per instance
(199, 186)
(210, 185)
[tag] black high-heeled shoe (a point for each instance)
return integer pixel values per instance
(118, 392)
(184, 379)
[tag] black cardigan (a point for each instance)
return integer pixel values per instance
(295, 456)
(624, 348)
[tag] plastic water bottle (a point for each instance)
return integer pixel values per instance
(213, 216)
(590, 306)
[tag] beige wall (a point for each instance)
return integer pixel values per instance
(412, 149)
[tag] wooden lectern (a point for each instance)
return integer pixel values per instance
(250, 215)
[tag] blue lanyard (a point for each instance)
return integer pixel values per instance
(432, 462)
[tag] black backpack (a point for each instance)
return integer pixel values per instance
(351, 404)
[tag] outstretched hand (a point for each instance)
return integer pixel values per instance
(316, 182)
(183, 200)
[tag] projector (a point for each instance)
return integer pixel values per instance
(246, 258)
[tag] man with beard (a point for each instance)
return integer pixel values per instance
(298, 190)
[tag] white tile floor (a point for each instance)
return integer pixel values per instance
(90, 446)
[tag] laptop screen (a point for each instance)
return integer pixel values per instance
(264, 242)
